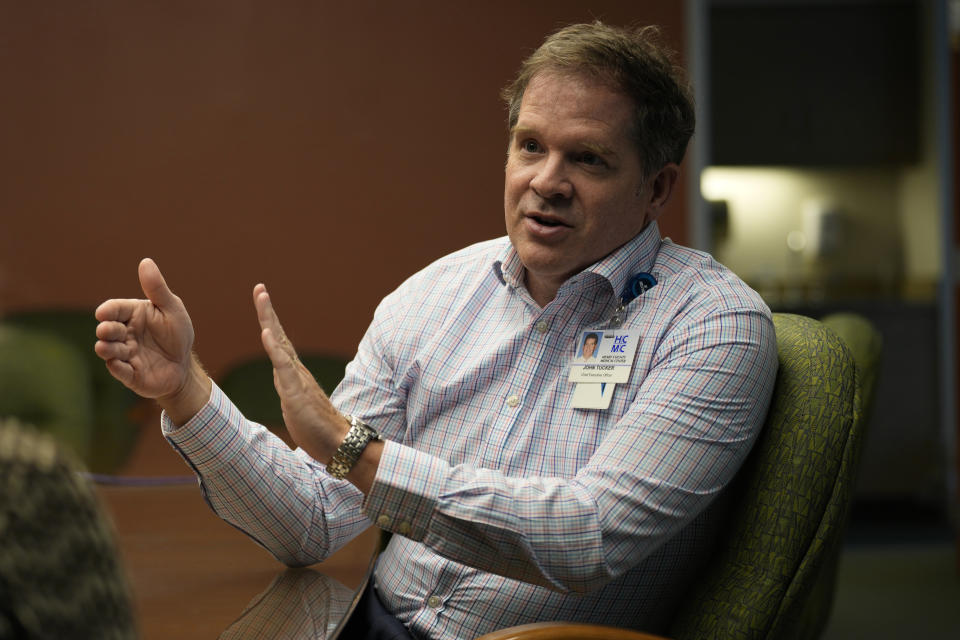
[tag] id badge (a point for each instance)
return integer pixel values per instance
(592, 395)
(604, 355)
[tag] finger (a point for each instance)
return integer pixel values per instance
(284, 360)
(281, 355)
(110, 350)
(111, 330)
(154, 286)
(120, 370)
(265, 314)
(269, 320)
(118, 310)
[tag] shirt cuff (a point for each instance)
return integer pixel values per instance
(211, 438)
(404, 492)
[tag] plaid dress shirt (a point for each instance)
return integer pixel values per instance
(511, 506)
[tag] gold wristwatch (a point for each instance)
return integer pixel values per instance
(352, 447)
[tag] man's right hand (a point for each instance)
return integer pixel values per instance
(147, 346)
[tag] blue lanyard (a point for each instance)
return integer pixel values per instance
(635, 287)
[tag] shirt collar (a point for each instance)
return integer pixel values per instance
(636, 256)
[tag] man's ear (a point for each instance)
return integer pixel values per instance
(658, 189)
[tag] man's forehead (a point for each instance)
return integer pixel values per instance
(575, 106)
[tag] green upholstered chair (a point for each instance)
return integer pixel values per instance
(114, 424)
(44, 382)
(60, 576)
(866, 346)
(772, 574)
(249, 385)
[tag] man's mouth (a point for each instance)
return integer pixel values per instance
(547, 221)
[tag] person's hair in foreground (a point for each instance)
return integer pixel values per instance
(632, 60)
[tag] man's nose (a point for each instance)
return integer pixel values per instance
(551, 180)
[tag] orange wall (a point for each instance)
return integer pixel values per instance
(327, 149)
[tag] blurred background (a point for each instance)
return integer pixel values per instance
(332, 149)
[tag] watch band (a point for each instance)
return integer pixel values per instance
(352, 447)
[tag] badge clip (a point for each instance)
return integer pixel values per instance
(635, 287)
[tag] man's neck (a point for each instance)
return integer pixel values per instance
(543, 291)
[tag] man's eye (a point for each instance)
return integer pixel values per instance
(530, 146)
(591, 159)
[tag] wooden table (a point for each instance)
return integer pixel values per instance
(192, 574)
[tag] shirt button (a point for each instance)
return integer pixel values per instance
(404, 528)
(513, 400)
(433, 602)
(542, 326)
(383, 521)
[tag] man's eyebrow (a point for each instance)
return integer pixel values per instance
(599, 149)
(521, 131)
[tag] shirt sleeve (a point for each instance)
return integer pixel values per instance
(693, 421)
(281, 498)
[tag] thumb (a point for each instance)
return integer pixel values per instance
(154, 286)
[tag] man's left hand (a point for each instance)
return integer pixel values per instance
(315, 425)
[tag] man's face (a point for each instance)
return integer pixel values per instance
(574, 188)
(589, 346)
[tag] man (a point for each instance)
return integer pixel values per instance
(514, 493)
(589, 346)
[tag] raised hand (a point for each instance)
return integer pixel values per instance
(315, 425)
(147, 346)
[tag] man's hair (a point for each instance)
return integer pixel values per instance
(591, 336)
(633, 61)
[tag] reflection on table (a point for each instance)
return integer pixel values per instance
(195, 576)
(299, 603)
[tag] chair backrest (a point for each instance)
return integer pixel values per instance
(115, 423)
(44, 383)
(866, 346)
(790, 500)
(60, 574)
